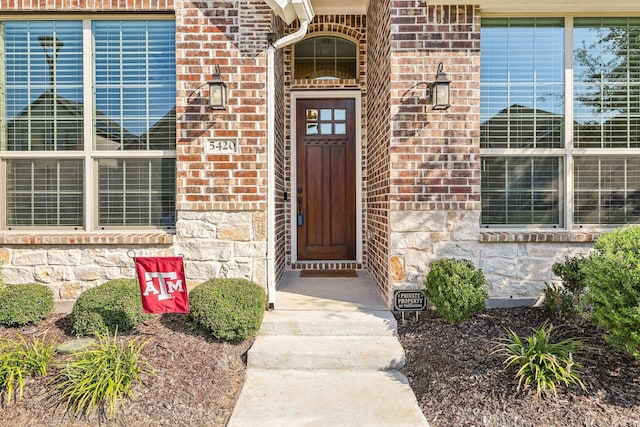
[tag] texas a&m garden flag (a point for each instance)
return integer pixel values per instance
(162, 283)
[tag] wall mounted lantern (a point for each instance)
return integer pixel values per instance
(217, 91)
(440, 95)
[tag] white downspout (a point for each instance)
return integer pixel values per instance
(271, 172)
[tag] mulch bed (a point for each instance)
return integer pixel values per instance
(198, 379)
(456, 379)
(458, 382)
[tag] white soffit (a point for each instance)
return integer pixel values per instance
(524, 7)
(340, 7)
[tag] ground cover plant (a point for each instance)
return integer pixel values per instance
(20, 360)
(541, 361)
(102, 375)
(197, 378)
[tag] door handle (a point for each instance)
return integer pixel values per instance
(300, 219)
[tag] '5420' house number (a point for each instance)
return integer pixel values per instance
(222, 146)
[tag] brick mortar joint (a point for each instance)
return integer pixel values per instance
(538, 236)
(88, 238)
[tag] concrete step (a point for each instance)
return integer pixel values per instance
(329, 323)
(276, 398)
(326, 352)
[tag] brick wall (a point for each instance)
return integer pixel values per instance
(281, 231)
(355, 28)
(86, 5)
(70, 262)
(221, 198)
(434, 154)
(378, 142)
(435, 165)
(231, 34)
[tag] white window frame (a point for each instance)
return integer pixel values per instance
(567, 153)
(89, 156)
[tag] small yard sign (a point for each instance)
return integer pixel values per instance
(409, 300)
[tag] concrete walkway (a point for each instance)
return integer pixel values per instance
(327, 356)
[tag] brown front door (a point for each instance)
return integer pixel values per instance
(326, 180)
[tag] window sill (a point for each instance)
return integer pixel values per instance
(86, 238)
(539, 236)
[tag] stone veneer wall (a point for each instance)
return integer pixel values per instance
(221, 199)
(435, 162)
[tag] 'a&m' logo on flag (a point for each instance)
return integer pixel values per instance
(162, 283)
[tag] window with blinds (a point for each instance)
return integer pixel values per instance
(606, 82)
(134, 85)
(136, 191)
(45, 148)
(540, 168)
(522, 83)
(519, 190)
(43, 86)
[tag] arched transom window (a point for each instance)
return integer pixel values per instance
(325, 57)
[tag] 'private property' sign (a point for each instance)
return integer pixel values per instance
(409, 300)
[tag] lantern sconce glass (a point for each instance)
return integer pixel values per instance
(440, 95)
(217, 91)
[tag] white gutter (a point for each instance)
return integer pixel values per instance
(305, 15)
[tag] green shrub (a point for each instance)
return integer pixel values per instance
(540, 362)
(24, 304)
(115, 305)
(2, 285)
(231, 309)
(19, 360)
(613, 287)
(563, 302)
(102, 375)
(456, 289)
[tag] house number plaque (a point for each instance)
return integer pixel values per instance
(221, 146)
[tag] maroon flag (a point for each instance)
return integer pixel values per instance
(162, 283)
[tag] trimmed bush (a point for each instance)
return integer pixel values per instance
(115, 305)
(613, 287)
(24, 304)
(456, 289)
(563, 302)
(231, 309)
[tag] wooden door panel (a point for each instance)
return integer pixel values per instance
(325, 151)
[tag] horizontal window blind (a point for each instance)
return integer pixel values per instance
(521, 191)
(136, 192)
(607, 190)
(43, 79)
(135, 85)
(607, 82)
(522, 83)
(44, 193)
